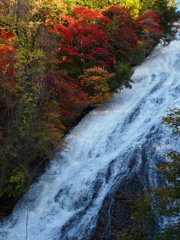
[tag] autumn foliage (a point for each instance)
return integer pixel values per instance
(88, 43)
(7, 80)
(121, 34)
(6, 60)
(90, 50)
(83, 39)
(148, 29)
(95, 82)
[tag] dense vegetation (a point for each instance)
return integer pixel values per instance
(161, 202)
(59, 58)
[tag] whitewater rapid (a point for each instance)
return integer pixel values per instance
(64, 203)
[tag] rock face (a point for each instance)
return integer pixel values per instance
(116, 209)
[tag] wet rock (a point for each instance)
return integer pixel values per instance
(115, 212)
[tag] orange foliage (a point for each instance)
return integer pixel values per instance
(96, 83)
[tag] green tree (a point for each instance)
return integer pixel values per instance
(26, 21)
(133, 5)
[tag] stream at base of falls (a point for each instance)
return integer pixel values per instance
(123, 137)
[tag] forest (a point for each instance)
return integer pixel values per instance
(58, 60)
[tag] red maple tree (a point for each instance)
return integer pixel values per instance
(83, 39)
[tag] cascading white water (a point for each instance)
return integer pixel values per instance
(110, 144)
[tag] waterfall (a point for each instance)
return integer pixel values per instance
(114, 141)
